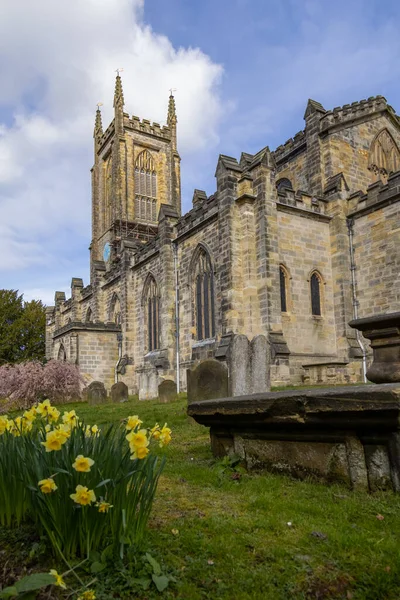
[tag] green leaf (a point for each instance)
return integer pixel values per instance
(154, 564)
(94, 556)
(107, 553)
(144, 582)
(34, 582)
(9, 592)
(97, 567)
(161, 582)
(104, 482)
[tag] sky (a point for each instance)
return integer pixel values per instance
(243, 72)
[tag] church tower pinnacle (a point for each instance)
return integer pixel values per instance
(98, 125)
(172, 119)
(119, 104)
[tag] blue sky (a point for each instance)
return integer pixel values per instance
(243, 70)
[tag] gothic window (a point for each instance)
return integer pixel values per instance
(108, 193)
(62, 355)
(284, 288)
(384, 156)
(145, 187)
(115, 310)
(151, 305)
(89, 315)
(204, 296)
(315, 288)
(283, 183)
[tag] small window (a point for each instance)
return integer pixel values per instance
(204, 296)
(152, 308)
(284, 183)
(315, 283)
(283, 279)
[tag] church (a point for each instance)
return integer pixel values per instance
(293, 244)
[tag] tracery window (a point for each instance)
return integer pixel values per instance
(315, 288)
(384, 156)
(151, 304)
(204, 296)
(284, 288)
(89, 316)
(145, 187)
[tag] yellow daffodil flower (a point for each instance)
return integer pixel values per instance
(58, 579)
(83, 495)
(14, 426)
(43, 407)
(138, 439)
(70, 418)
(165, 436)
(30, 415)
(3, 424)
(47, 486)
(53, 414)
(139, 453)
(83, 464)
(133, 422)
(54, 440)
(155, 431)
(88, 595)
(104, 506)
(92, 430)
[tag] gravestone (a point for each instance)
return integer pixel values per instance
(97, 393)
(167, 391)
(119, 392)
(207, 381)
(260, 365)
(249, 365)
(84, 394)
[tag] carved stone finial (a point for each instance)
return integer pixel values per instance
(171, 119)
(98, 125)
(118, 94)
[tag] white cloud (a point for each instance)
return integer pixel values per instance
(57, 61)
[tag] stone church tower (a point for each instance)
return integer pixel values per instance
(293, 243)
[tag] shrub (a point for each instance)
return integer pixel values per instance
(25, 383)
(85, 488)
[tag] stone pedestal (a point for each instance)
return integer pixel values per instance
(384, 333)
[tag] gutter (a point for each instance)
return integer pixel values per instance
(175, 251)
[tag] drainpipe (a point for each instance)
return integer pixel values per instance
(175, 251)
(119, 339)
(350, 223)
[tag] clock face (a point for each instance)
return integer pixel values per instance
(106, 252)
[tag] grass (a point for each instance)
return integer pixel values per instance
(225, 534)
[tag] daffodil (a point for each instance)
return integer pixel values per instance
(30, 415)
(83, 464)
(70, 418)
(54, 440)
(63, 430)
(53, 414)
(47, 485)
(43, 407)
(58, 579)
(104, 506)
(165, 436)
(88, 595)
(155, 431)
(92, 431)
(137, 439)
(83, 495)
(3, 424)
(14, 426)
(133, 422)
(139, 453)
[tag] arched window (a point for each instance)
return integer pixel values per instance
(108, 193)
(115, 310)
(384, 156)
(204, 295)
(151, 305)
(315, 288)
(89, 315)
(145, 187)
(284, 183)
(62, 355)
(284, 288)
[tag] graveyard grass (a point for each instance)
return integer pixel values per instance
(221, 533)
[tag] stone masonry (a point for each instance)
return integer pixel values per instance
(283, 217)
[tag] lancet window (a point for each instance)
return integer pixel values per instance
(315, 288)
(151, 304)
(284, 288)
(145, 187)
(204, 296)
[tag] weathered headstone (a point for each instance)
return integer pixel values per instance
(207, 381)
(260, 365)
(148, 384)
(249, 365)
(84, 394)
(167, 391)
(119, 392)
(97, 393)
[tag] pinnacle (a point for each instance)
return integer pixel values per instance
(118, 94)
(171, 109)
(98, 125)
